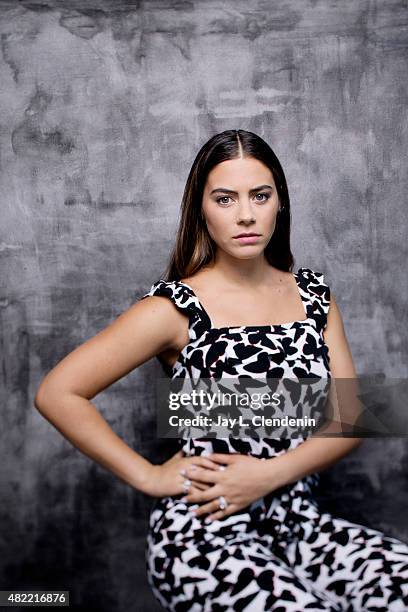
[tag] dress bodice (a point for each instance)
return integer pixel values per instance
(296, 348)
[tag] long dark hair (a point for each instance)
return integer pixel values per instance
(194, 247)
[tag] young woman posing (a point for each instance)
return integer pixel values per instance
(232, 305)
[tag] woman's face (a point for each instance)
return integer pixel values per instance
(240, 197)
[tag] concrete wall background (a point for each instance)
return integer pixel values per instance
(104, 105)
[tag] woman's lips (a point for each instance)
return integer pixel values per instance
(247, 239)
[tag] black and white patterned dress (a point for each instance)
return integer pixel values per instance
(281, 553)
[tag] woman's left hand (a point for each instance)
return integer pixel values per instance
(241, 479)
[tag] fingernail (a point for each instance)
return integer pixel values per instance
(184, 499)
(207, 520)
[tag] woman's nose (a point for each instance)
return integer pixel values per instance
(245, 212)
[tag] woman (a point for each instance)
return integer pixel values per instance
(234, 307)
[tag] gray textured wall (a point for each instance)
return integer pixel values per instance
(103, 108)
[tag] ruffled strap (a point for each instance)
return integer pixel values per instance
(184, 300)
(319, 295)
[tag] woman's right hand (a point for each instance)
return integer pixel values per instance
(166, 479)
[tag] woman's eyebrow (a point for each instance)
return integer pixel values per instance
(224, 190)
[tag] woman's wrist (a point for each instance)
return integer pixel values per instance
(147, 479)
(312, 456)
(276, 472)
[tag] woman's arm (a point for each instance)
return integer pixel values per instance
(317, 454)
(147, 328)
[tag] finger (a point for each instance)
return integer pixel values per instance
(201, 486)
(212, 507)
(194, 487)
(199, 462)
(188, 482)
(193, 495)
(205, 497)
(201, 496)
(194, 481)
(203, 475)
(214, 466)
(221, 457)
(203, 462)
(203, 509)
(219, 515)
(190, 496)
(193, 491)
(206, 462)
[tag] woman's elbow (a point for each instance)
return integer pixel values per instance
(40, 397)
(44, 394)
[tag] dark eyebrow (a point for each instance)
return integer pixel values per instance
(223, 190)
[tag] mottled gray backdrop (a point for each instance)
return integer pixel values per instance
(104, 105)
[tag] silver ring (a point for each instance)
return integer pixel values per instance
(186, 484)
(222, 467)
(223, 502)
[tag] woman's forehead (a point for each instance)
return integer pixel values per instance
(246, 174)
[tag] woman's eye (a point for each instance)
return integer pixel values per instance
(222, 198)
(266, 196)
